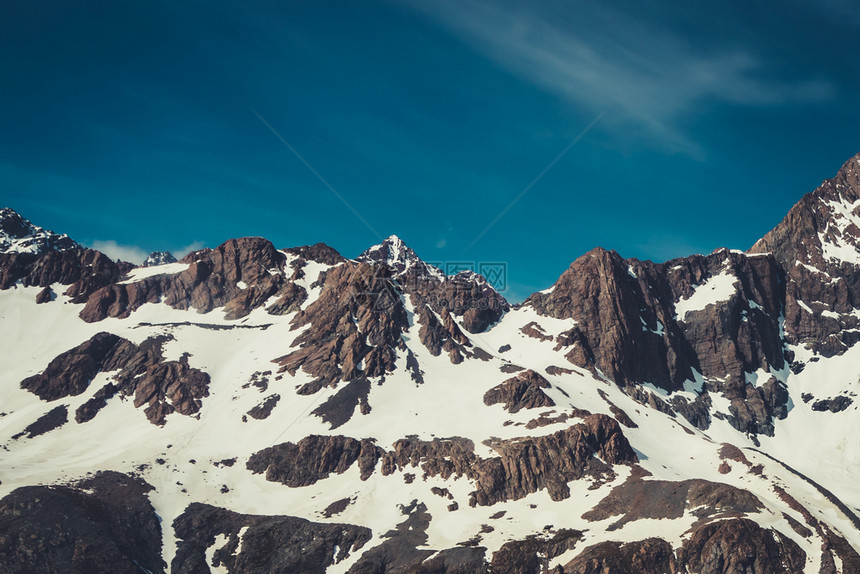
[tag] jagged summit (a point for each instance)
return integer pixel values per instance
(823, 228)
(159, 258)
(400, 257)
(18, 235)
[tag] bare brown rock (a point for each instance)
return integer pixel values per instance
(535, 331)
(650, 556)
(814, 281)
(740, 545)
(619, 317)
(547, 419)
(171, 386)
(71, 372)
(336, 507)
(627, 327)
(319, 252)
(550, 462)
(103, 524)
(213, 279)
(555, 371)
(264, 409)
(520, 392)
(639, 498)
(53, 419)
(270, 544)
(465, 295)
(314, 458)
(617, 412)
(441, 334)
(523, 466)
(530, 555)
(731, 452)
(46, 295)
(438, 457)
(347, 327)
(834, 405)
(162, 386)
(83, 270)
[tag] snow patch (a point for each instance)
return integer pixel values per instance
(718, 288)
(141, 273)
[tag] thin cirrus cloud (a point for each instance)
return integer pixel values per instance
(135, 254)
(646, 77)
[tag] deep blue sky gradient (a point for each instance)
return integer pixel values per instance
(133, 122)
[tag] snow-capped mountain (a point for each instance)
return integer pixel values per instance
(399, 257)
(17, 235)
(159, 258)
(254, 409)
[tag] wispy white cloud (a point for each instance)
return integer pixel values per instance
(114, 250)
(135, 254)
(648, 78)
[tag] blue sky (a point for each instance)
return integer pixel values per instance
(137, 124)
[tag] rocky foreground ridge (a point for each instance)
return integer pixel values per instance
(255, 409)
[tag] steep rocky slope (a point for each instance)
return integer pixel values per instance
(255, 409)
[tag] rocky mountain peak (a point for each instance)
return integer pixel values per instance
(159, 258)
(823, 228)
(17, 235)
(397, 255)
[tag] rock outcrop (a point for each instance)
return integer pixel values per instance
(70, 373)
(53, 419)
(740, 545)
(530, 555)
(349, 335)
(520, 392)
(85, 271)
(264, 544)
(524, 465)
(314, 458)
(650, 556)
(102, 524)
(638, 498)
(163, 387)
(721, 547)
(550, 462)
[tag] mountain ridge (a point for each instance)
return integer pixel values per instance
(372, 416)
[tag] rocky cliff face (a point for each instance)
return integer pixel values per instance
(817, 247)
(701, 322)
(639, 321)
